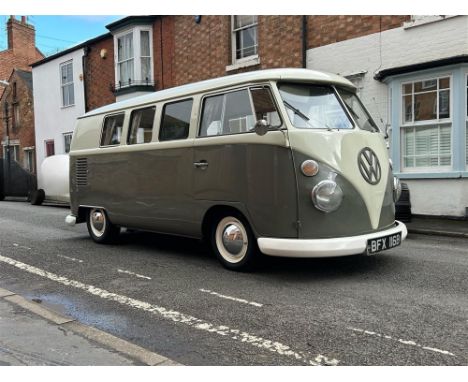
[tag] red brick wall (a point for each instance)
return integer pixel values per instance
(99, 74)
(163, 52)
(24, 132)
(324, 30)
(201, 51)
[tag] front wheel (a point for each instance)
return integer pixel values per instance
(100, 228)
(234, 244)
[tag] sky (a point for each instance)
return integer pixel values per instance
(56, 33)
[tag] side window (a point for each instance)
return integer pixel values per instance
(112, 130)
(175, 121)
(229, 113)
(141, 126)
(232, 113)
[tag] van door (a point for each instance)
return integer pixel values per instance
(162, 175)
(234, 166)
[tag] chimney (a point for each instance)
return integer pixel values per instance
(21, 36)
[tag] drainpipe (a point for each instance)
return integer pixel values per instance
(86, 50)
(304, 41)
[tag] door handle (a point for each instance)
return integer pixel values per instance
(203, 164)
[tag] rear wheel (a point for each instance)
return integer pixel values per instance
(233, 242)
(100, 228)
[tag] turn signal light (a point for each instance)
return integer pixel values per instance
(310, 167)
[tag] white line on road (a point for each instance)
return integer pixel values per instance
(20, 246)
(70, 258)
(172, 315)
(404, 342)
(231, 298)
(133, 274)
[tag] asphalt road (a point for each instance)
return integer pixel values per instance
(406, 306)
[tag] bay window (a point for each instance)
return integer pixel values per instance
(134, 61)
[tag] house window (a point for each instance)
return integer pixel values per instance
(134, 61)
(66, 81)
(29, 159)
(426, 124)
(16, 115)
(14, 152)
(125, 63)
(67, 137)
(50, 147)
(244, 37)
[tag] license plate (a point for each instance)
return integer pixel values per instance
(382, 243)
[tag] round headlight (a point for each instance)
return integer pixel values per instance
(396, 189)
(310, 167)
(327, 196)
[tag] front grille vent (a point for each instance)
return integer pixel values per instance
(81, 172)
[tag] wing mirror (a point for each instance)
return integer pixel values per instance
(261, 127)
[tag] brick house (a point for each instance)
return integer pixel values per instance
(15, 70)
(18, 98)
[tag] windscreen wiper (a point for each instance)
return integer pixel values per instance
(302, 115)
(297, 111)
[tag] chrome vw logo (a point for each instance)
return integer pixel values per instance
(369, 166)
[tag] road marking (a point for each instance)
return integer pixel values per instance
(404, 342)
(21, 246)
(133, 274)
(177, 317)
(70, 258)
(231, 298)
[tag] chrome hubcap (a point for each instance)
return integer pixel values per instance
(98, 222)
(231, 239)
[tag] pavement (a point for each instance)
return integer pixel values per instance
(33, 334)
(438, 226)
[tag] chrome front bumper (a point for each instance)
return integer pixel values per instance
(341, 246)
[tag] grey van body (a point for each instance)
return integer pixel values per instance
(176, 186)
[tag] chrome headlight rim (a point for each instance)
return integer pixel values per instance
(323, 199)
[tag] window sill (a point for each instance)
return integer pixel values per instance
(252, 61)
(424, 21)
(134, 88)
(67, 106)
(432, 175)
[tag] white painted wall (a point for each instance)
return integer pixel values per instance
(439, 197)
(51, 119)
(411, 44)
(393, 48)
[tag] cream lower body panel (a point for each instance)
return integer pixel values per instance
(342, 246)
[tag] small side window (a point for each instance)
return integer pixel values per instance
(176, 120)
(112, 130)
(264, 106)
(141, 126)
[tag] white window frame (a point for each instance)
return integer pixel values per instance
(137, 72)
(14, 151)
(63, 85)
(437, 122)
(244, 61)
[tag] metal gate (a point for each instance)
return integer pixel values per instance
(15, 180)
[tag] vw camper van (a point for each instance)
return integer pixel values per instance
(284, 162)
